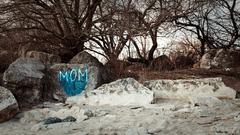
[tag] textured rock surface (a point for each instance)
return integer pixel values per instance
(185, 89)
(85, 58)
(8, 105)
(24, 78)
(206, 61)
(225, 59)
(46, 58)
(56, 91)
(220, 59)
(121, 92)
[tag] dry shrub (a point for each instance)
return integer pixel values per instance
(185, 53)
(183, 62)
(118, 69)
(136, 67)
(162, 63)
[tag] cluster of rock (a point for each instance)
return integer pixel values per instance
(130, 92)
(34, 78)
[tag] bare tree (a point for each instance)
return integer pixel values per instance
(110, 34)
(215, 24)
(65, 23)
(153, 16)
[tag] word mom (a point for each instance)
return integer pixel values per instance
(73, 81)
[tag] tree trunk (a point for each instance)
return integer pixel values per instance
(71, 49)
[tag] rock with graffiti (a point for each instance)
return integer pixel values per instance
(73, 81)
(66, 80)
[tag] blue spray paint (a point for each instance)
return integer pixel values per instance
(73, 81)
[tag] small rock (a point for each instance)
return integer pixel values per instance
(89, 113)
(237, 118)
(69, 119)
(52, 120)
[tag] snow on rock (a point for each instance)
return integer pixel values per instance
(121, 92)
(187, 88)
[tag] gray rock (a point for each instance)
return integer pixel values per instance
(225, 59)
(88, 113)
(56, 91)
(206, 60)
(85, 58)
(46, 58)
(8, 105)
(220, 59)
(237, 117)
(52, 120)
(25, 79)
(69, 119)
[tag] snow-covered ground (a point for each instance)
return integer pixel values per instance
(164, 117)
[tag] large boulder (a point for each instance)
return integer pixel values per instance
(25, 79)
(56, 91)
(121, 92)
(46, 58)
(226, 59)
(206, 60)
(162, 63)
(220, 59)
(85, 58)
(185, 89)
(8, 105)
